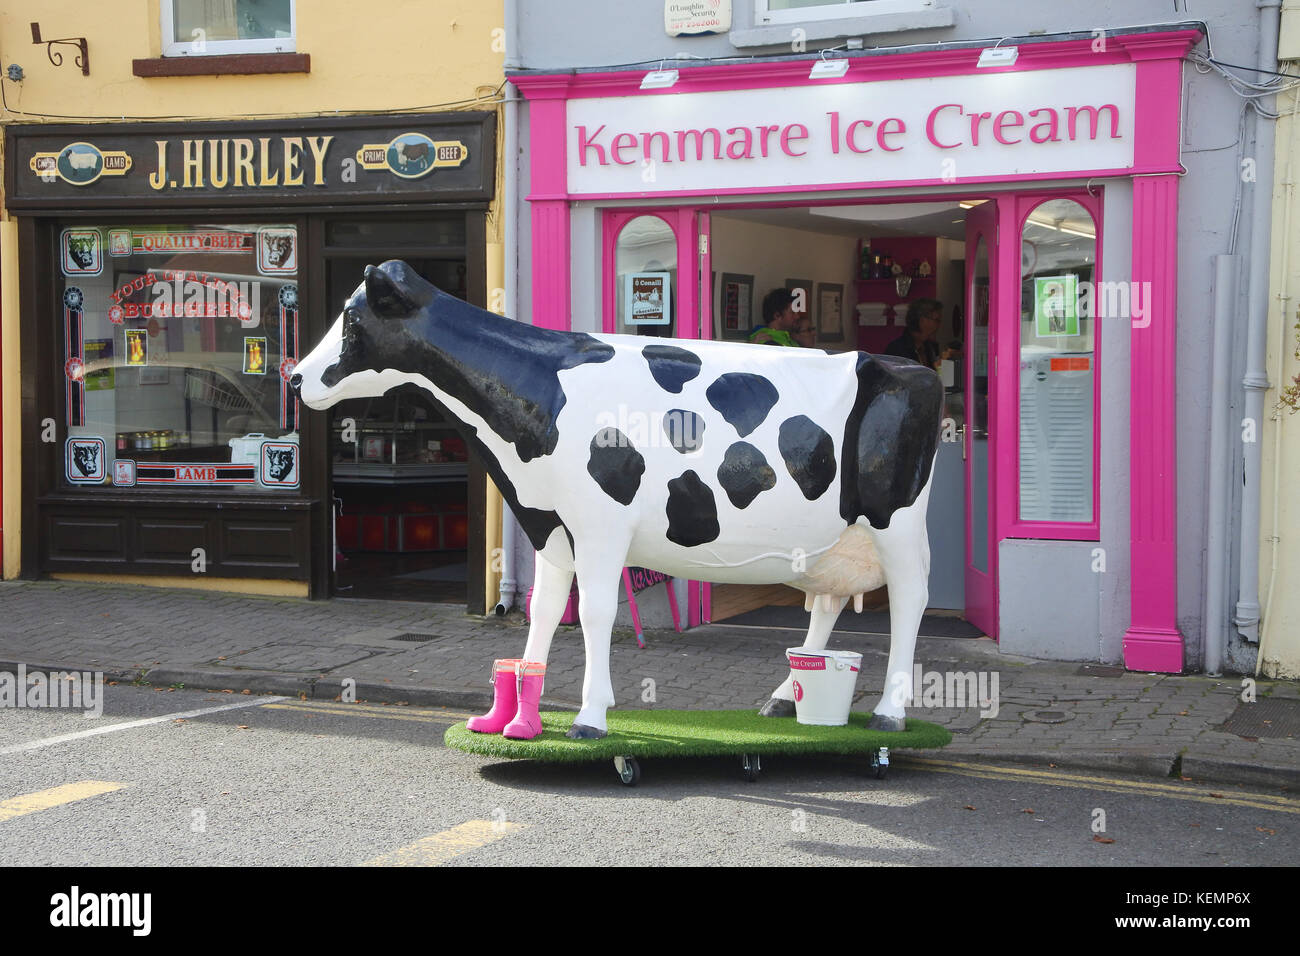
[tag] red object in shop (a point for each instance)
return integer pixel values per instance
(455, 532)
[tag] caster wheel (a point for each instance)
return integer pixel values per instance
(752, 766)
(880, 761)
(629, 771)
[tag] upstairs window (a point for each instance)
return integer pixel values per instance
(768, 12)
(219, 27)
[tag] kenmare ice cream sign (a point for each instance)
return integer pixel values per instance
(943, 129)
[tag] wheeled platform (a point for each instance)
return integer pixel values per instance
(637, 734)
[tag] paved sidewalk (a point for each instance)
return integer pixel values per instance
(1048, 714)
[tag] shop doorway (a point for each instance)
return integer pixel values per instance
(856, 269)
(398, 469)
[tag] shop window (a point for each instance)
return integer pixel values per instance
(795, 11)
(216, 27)
(178, 343)
(1059, 303)
(645, 269)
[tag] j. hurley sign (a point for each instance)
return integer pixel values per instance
(286, 161)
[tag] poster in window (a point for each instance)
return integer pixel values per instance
(737, 305)
(830, 312)
(137, 348)
(255, 355)
(646, 295)
(1056, 305)
(98, 375)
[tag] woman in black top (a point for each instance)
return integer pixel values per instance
(924, 316)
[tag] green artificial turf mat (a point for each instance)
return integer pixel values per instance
(695, 733)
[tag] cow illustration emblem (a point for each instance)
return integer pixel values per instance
(280, 464)
(85, 460)
(808, 469)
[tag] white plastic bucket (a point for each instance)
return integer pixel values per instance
(823, 684)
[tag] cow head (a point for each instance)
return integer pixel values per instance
(86, 458)
(280, 461)
(381, 339)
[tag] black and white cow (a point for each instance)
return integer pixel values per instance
(716, 461)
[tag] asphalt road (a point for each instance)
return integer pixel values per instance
(276, 781)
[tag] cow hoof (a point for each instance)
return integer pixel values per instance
(583, 732)
(889, 724)
(777, 707)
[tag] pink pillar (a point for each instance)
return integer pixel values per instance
(1152, 641)
(548, 201)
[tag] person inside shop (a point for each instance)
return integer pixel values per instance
(918, 341)
(781, 323)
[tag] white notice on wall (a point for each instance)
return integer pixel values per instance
(696, 16)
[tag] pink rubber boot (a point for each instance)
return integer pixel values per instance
(527, 723)
(505, 699)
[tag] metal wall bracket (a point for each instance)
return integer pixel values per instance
(83, 60)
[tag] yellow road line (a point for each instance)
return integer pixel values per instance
(441, 847)
(55, 796)
(1260, 801)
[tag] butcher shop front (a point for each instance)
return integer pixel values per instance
(170, 278)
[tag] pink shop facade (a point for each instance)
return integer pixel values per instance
(1037, 202)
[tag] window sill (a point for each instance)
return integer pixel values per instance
(778, 34)
(240, 64)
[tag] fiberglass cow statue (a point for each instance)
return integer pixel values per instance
(717, 461)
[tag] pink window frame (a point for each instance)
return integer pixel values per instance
(1016, 208)
(681, 219)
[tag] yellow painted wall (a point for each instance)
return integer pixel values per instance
(398, 55)
(1280, 493)
(365, 57)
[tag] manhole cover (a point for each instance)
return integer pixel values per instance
(1047, 716)
(412, 638)
(1265, 718)
(1100, 670)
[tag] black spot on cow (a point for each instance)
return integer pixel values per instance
(537, 524)
(685, 430)
(745, 474)
(506, 373)
(809, 455)
(743, 399)
(692, 511)
(890, 438)
(672, 367)
(616, 465)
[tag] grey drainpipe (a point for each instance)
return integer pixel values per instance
(1216, 534)
(1256, 380)
(510, 276)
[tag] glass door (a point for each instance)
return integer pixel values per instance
(981, 371)
(658, 281)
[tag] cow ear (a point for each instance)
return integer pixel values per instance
(387, 298)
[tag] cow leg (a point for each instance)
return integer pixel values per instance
(905, 554)
(820, 626)
(600, 570)
(552, 578)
